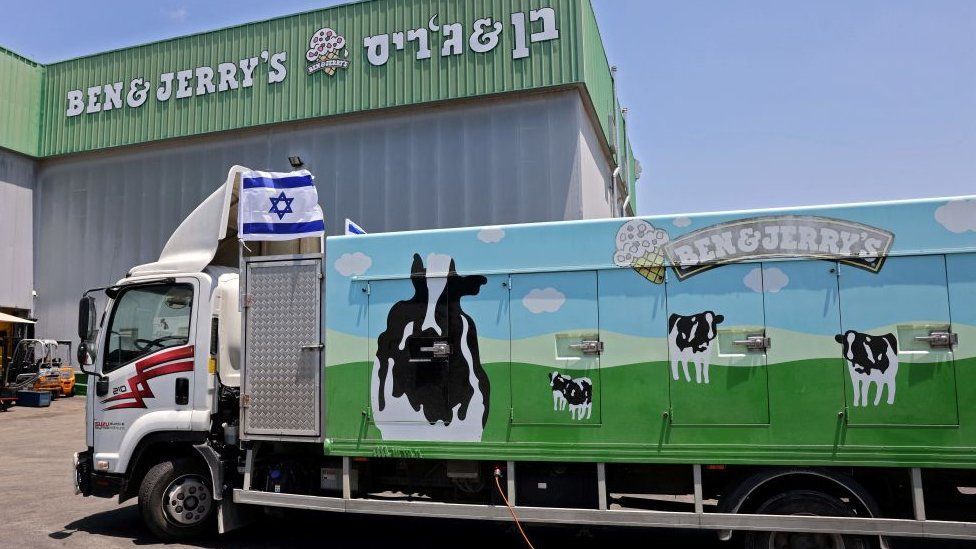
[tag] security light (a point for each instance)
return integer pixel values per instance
(295, 161)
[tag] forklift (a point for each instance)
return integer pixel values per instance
(37, 365)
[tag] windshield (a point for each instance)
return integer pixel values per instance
(148, 319)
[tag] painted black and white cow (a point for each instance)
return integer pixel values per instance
(578, 393)
(690, 340)
(417, 394)
(870, 359)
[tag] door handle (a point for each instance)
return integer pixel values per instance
(182, 391)
(101, 387)
(940, 339)
(315, 347)
(757, 342)
(588, 347)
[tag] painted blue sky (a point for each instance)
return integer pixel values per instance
(732, 105)
(547, 302)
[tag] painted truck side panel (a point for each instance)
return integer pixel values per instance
(723, 310)
(477, 343)
(555, 312)
(907, 299)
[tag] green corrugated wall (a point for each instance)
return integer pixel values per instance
(20, 103)
(577, 57)
(599, 82)
(402, 81)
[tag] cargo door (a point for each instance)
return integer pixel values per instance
(556, 348)
(282, 349)
(717, 345)
(897, 341)
(806, 372)
(409, 347)
(433, 339)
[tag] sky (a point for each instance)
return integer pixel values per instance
(732, 105)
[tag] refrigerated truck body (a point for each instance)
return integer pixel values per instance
(816, 362)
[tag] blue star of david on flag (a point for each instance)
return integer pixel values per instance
(294, 212)
(276, 205)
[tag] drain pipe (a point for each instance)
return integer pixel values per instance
(613, 190)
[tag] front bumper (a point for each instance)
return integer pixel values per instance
(90, 483)
(82, 465)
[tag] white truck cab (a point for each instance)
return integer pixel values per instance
(164, 358)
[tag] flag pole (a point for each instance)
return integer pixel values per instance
(241, 271)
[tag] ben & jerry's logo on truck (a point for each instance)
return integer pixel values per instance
(644, 248)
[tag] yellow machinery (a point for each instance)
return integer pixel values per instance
(40, 365)
(56, 373)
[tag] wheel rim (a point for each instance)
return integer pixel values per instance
(808, 540)
(187, 500)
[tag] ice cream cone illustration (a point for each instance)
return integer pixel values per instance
(651, 267)
(640, 247)
(332, 55)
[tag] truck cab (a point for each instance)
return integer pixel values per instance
(162, 354)
(155, 387)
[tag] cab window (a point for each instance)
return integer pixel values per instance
(146, 320)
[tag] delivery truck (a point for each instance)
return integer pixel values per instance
(786, 378)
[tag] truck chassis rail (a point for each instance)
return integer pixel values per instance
(615, 517)
(723, 523)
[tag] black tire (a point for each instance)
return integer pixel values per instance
(804, 502)
(162, 477)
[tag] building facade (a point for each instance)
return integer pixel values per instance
(412, 114)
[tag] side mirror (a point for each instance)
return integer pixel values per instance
(85, 357)
(86, 319)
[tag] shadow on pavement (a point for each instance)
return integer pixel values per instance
(292, 528)
(123, 522)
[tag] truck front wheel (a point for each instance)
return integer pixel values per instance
(175, 500)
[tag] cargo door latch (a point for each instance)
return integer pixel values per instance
(439, 349)
(754, 342)
(940, 339)
(588, 347)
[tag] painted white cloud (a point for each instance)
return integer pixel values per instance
(491, 235)
(772, 279)
(959, 216)
(682, 221)
(545, 300)
(353, 264)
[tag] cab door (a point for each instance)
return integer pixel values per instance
(147, 363)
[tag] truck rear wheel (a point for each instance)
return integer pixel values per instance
(810, 503)
(175, 500)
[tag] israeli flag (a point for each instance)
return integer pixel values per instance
(279, 206)
(353, 228)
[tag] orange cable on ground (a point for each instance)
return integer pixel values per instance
(511, 510)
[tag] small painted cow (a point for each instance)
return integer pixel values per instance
(417, 394)
(690, 340)
(870, 359)
(578, 393)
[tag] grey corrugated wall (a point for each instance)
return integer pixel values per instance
(502, 161)
(16, 230)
